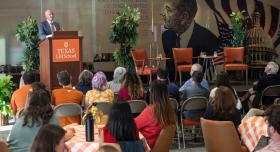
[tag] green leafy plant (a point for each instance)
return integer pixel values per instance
(239, 27)
(27, 32)
(124, 33)
(6, 89)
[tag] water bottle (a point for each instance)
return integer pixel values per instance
(89, 121)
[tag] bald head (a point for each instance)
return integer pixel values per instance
(49, 15)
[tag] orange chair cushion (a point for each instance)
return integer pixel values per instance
(189, 122)
(184, 68)
(146, 71)
(235, 67)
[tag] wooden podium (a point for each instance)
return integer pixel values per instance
(63, 51)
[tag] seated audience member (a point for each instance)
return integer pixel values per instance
(223, 80)
(118, 78)
(38, 113)
(132, 88)
(204, 83)
(270, 78)
(35, 86)
(196, 89)
(66, 94)
(172, 88)
(99, 92)
(50, 138)
(121, 128)
(84, 84)
(273, 120)
(18, 99)
(156, 115)
(222, 106)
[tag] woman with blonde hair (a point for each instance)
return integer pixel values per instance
(222, 106)
(157, 115)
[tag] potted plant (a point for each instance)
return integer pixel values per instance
(27, 32)
(239, 27)
(6, 89)
(124, 33)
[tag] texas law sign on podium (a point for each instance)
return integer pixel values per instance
(66, 50)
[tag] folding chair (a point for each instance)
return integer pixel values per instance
(68, 110)
(193, 103)
(137, 106)
(175, 106)
(104, 107)
(270, 91)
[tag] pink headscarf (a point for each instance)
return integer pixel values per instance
(99, 81)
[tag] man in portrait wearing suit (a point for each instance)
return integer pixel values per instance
(182, 31)
(47, 27)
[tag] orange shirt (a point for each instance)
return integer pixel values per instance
(19, 97)
(67, 95)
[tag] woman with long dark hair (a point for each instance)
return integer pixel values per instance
(121, 128)
(132, 88)
(38, 113)
(50, 138)
(157, 115)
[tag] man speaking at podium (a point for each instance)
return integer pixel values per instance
(47, 27)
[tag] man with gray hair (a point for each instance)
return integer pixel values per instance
(47, 27)
(204, 83)
(270, 78)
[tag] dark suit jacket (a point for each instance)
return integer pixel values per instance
(201, 40)
(265, 81)
(45, 29)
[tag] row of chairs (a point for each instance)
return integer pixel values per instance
(233, 61)
(73, 109)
